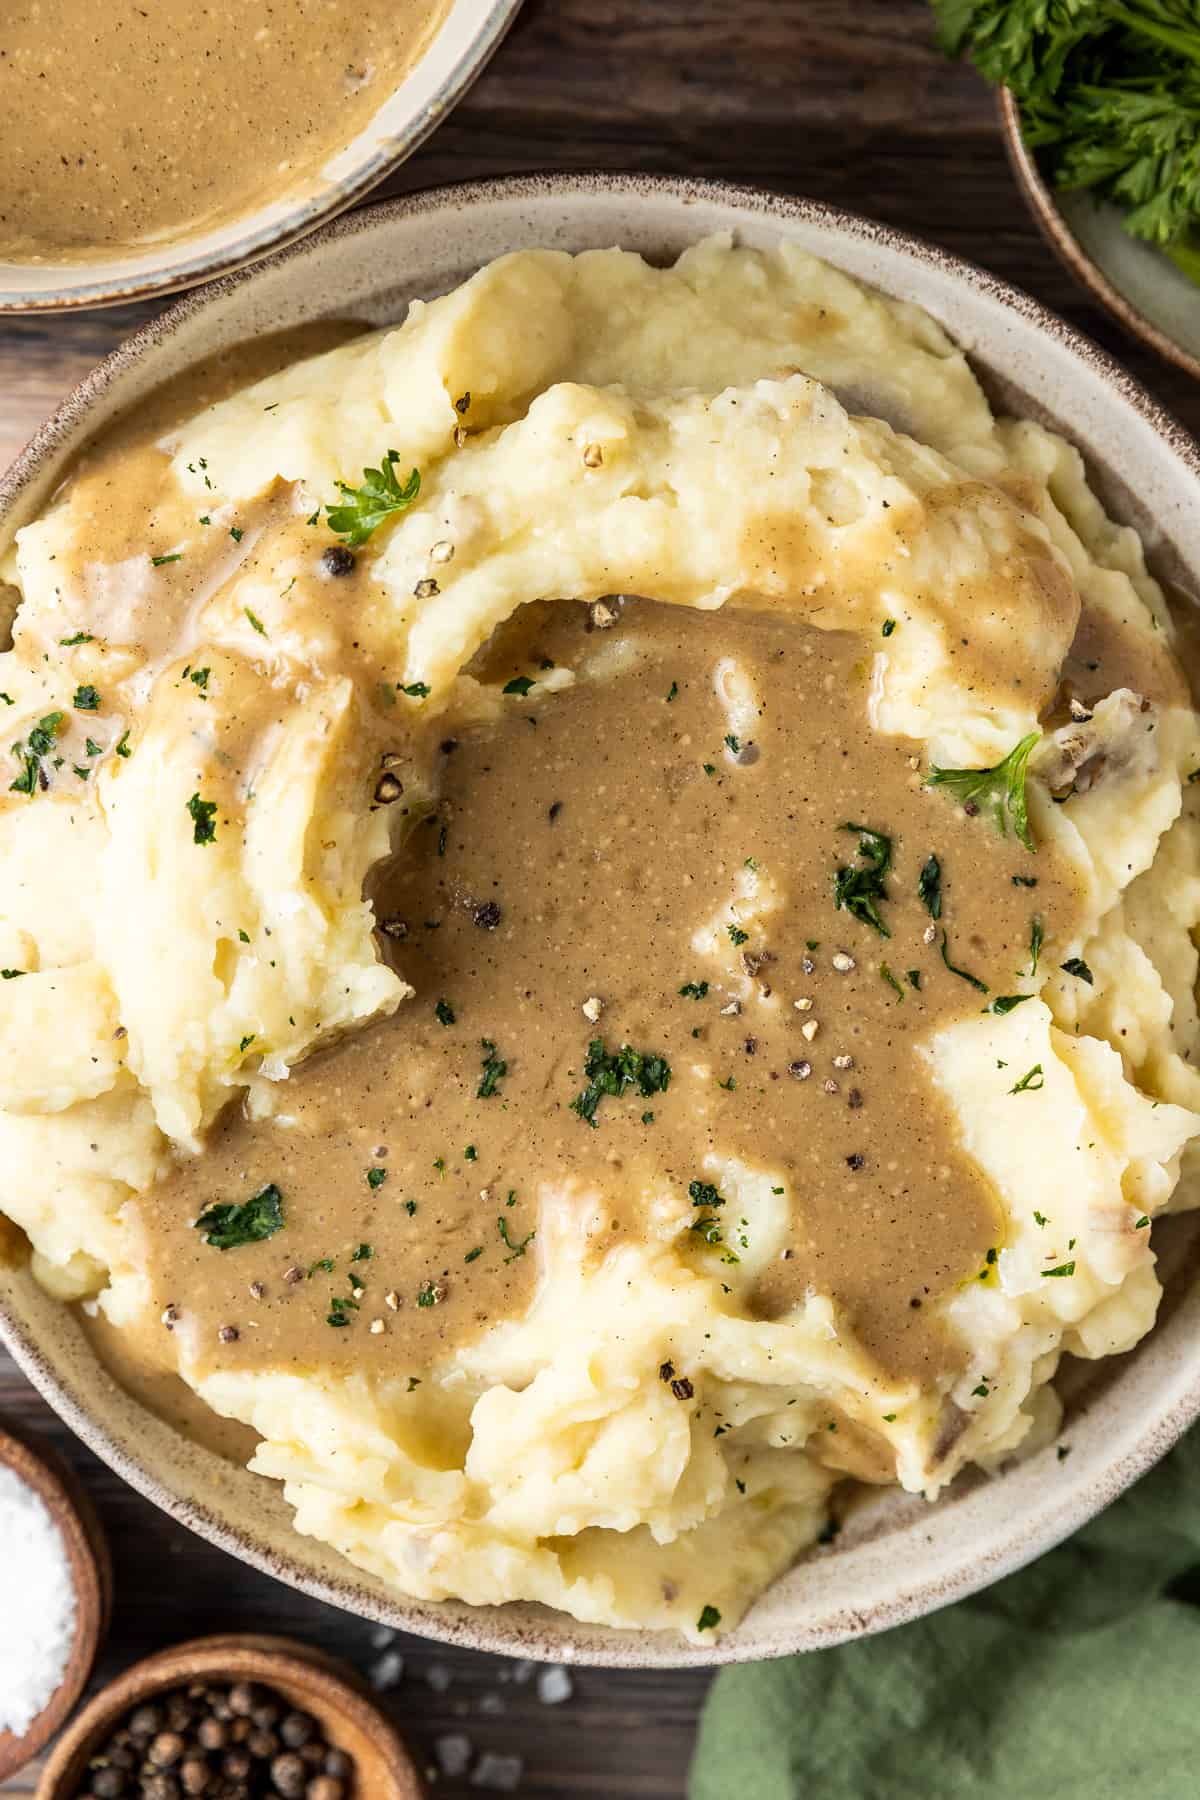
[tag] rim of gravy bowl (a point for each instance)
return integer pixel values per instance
(897, 1557)
(467, 37)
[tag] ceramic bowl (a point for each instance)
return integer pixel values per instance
(469, 33)
(896, 1557)
(1140, 286)
(307, 1679)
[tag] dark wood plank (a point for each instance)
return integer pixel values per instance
(842, 100)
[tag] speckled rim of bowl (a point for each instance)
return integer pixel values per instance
(188, 262)
(1039, 197)
(897, 1558)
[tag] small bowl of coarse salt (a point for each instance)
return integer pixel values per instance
(57, 1581)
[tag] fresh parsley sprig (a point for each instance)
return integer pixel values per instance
(1109, 92)
(362, 510)
(859, 888)
(1000, 789)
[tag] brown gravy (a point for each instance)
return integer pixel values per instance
(578, 843)
(123, 125)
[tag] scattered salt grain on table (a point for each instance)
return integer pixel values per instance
(554, 1685)
(454, 1753)
(500, 1773)
(37, 1619)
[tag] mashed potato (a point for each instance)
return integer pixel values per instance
(211, 738)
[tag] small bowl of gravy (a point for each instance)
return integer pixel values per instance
(145, 148)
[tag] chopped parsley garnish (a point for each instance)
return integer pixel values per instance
(1039, 1218)
(1000, 789)
(732, 744)
(470, 1154)
(410, 1207)
(443, 1012)
(963, 974)
(1075, 965)
(1004, 1003)
(472, 1254)
(672, 691)
(200, 677)
(416, 690)
(709, 1619)
(362, 510)
(246, 1041)
(86, 699)
(709, 768)
(514, 1250)
(737, 935)
(729, 1084)
(1037, 937)
(322, 1262)
(7, 698)
(1030, 1082)
(236, 533)
(122, 745)
(694, 990)
(520, 684)
(428, 1295)
(255, 621)
(914, 978)
(30, 752)
(889, 625)
(929, 886)
(703, 1193)
(1025, 881)
(203, 814)
(229, 1225)
(494, 1070)
(12, 974)
(858, 889)
(158, 561)
(891, 981)
(1141, 1223)
(376, 1178)
(364, 1253)
(982, 1391)
(80, 637)
(612, 1073)
(1067, 1268)
(91, 746)
(340, 1308)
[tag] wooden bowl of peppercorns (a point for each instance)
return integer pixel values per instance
(232, 1718)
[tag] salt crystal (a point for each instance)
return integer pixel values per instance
(381, 1637)
(439, 1677)
(37, 1621)
(387, 1671)
(522, 1671)
(493, 1704)
(500, 1773)
(453, 1752)
(554, 1686)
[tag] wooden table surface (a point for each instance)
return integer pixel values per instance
(844, 101)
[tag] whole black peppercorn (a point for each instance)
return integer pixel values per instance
(212, 1733)
(313, 1753)
(290, 1776)
(243, 1698)
(263, 1744)
(338, 1762)
(240, 1730)
(236, 1764)
(296, 1729)
(108, 1784)
(337, 560)
(195, 1777)
(144, 1721)
(266, 1715)
(487, 915)
(160, 1787)
(166, 1749)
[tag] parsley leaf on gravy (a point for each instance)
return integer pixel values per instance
(1000, 789)
(227, 1226)
(362, 510)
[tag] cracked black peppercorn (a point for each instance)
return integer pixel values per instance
(337, 560)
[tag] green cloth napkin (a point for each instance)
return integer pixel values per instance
(1076, 1679)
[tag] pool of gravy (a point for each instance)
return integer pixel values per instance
(545, 913)
(126, 125)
